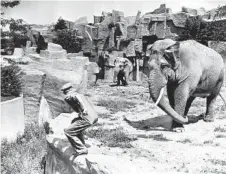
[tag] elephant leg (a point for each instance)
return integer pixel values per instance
(210, 102)
(188, 105)
(118, 79)
(115, 75)
(181, 95)
(126, 77)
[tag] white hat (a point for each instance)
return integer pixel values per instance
(66, 86)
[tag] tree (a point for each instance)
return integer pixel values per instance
(18, 25)
(67, 40)
(61, 24)
(4, 5)
(9, 3)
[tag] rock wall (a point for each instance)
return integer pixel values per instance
(60, 159)
(32, 91)
(12, 118)
(47, 78)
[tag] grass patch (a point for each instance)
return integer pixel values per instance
(208, 142)
(220, 136)
(218, 162)
(116, 105)
(25, 155)
(111, 137)
(221, 108)
(104, 116)
(219, 129)
(158, 137)
(185, 141)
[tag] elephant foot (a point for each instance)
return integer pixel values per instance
(125, 84)
(178, 129)
(208, 118)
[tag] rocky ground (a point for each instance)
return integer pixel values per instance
(134, 131)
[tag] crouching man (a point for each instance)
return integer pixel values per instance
(87, 116)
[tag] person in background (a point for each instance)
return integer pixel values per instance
(40, 42)
(87, 116)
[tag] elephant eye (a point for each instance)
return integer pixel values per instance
(154, 51)
(164, 65)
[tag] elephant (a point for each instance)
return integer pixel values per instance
(123, 68)
(188, 70)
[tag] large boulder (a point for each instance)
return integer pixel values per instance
(103, 30)
(60, 159)
(215, 14)
(179, 19)
(118, 16)
(158, 26)
(73, 71)
(62, 54)
(161, 9)
(201, 11)
(189, 10)
(32, 90)
(54, 47)
(80, 21)
(54, 51)
(93, 69)
(130, 20)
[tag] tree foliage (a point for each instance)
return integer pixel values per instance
(68, 41)
(193, 26)
(17, 25)
(11, 83)
(60, 25)
(200, 30)
(11, 4)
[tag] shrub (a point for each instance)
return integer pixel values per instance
(11, 83)
(193, 26)
(68, 41)
(19, 40)
(214, 30)
(203, 31)
(60, 25)
(25, 155)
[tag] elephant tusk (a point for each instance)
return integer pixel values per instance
(88, 35)
(160, 96)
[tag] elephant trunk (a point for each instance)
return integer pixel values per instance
(156, 93)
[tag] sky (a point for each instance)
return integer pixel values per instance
(47, 12)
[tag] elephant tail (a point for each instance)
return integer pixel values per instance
(222, 99)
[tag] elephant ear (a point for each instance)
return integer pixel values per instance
(148, 50)
(172, 55)
(126, 62)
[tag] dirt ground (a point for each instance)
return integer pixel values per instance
(133, 128)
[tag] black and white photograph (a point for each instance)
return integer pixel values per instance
(113, 87)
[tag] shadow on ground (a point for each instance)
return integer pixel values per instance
(156, 123)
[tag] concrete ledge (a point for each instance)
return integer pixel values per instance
(12, 118)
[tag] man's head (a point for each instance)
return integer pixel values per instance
(65, 88)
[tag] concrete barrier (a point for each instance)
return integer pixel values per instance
(12, 118)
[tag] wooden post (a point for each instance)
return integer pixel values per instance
(138, 73)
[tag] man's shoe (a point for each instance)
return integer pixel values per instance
(80, 152)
